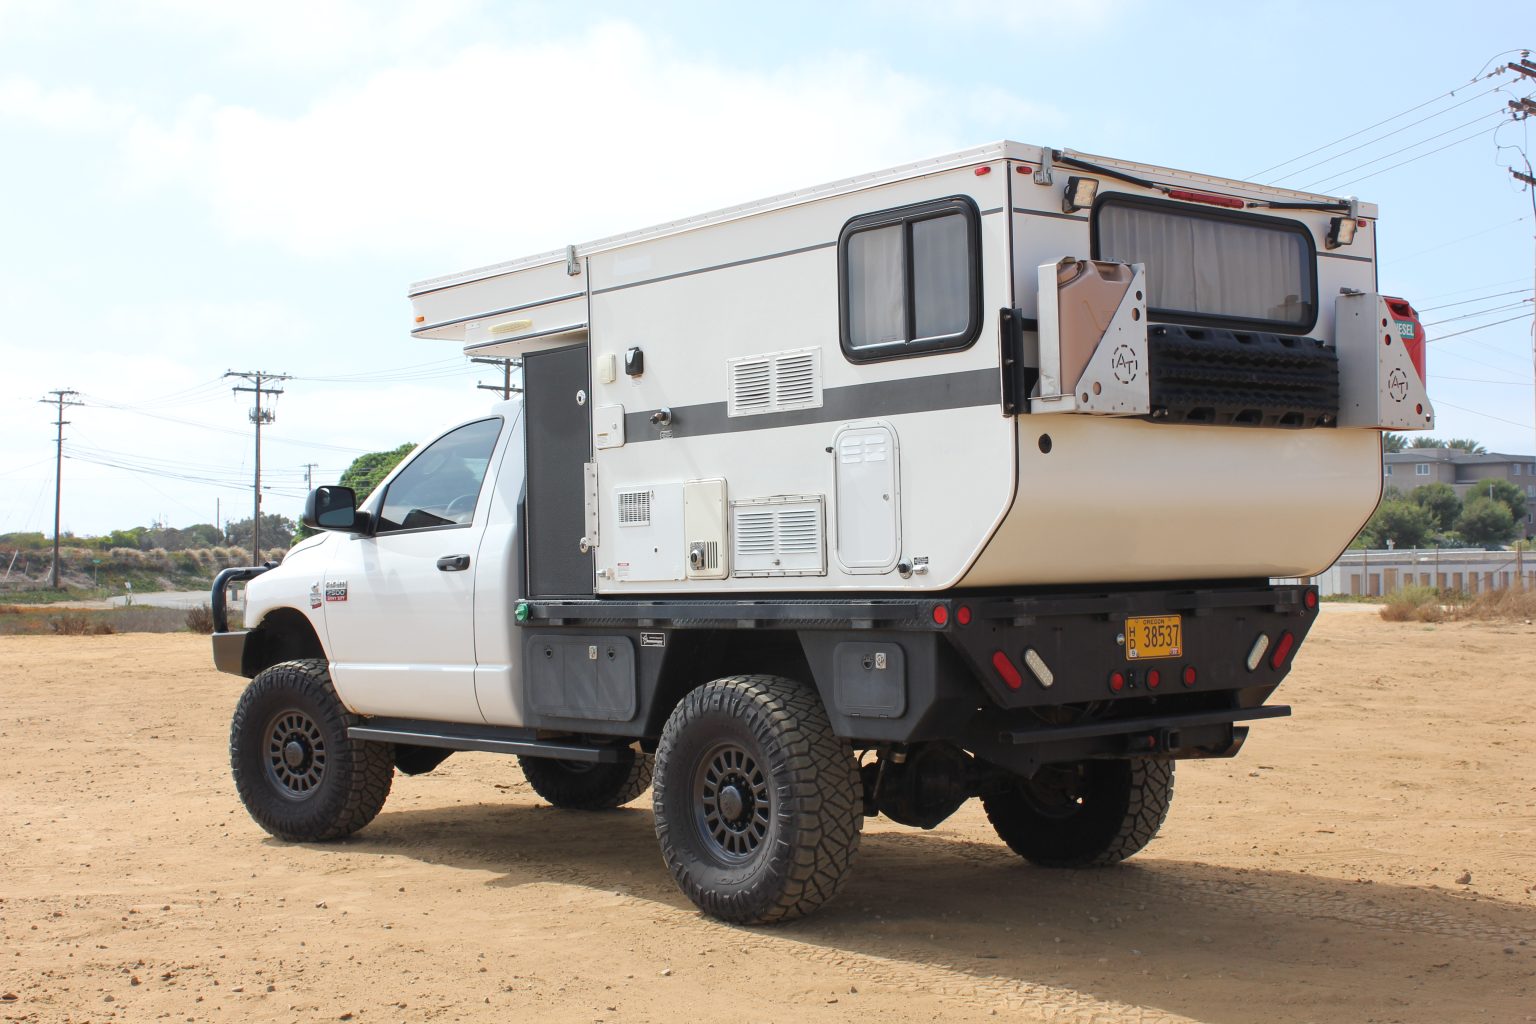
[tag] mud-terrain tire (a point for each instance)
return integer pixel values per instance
(1085, 814)
(758, 803)
(297, 772)
(589, 785)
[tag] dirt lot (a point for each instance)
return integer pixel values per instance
(1314, 878)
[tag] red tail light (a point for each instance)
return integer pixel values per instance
(1282, 649)
(940, 615)
(1117, 681)
(1405, 324)
(1231, 202)
(1007, 670)
(1154, 678)
(1189, 675)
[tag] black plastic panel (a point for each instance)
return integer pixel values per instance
(870, 679)
(1241, 378)
(559, 443)
(581, 677)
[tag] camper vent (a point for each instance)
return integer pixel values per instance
(709, 554)
(775, 383)
(778, 537)
(634, 508)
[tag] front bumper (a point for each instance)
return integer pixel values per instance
(229, 652)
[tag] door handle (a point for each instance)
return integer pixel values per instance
(453, 563)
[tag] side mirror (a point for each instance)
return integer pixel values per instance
(334, 508)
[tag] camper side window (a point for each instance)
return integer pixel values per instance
(910, 280)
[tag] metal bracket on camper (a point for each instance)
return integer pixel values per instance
(1093, 339)
(591, 538)
(1379, 385)
(1043, 172)
(572, 264)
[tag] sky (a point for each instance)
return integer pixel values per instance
(190, 188)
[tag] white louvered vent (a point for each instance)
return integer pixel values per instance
(782, 536)
(777, 382)
(634, 508)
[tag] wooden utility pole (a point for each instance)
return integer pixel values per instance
(258, 416)
(505, 387)
(61, 398)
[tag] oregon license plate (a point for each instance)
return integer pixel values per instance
(1153, 636)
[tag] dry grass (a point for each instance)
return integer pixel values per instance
(200, 618)
(80, 624)
(1415, 604)
(41, 621)
(1507, 604)
(1426, 604)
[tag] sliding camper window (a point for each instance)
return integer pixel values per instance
(910, 280)
(1213, 267)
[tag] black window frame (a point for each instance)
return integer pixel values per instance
(907, 216)
(1197, 319)
(396, 531)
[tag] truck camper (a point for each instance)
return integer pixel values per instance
(968, 478)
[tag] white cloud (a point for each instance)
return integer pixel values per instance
(503, 150)
(71, 110)
(1027, 16)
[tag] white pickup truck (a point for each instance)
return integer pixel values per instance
(964, 479)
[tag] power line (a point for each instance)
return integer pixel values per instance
(1480, 298)
(1484, 327)
(1412, 159)
(1362, 131)
(1481, 312)
(1404, 149)
(1388, 135)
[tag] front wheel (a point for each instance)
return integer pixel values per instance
(1083, 814)
(589, 785)
(758, 804)
(299, 774)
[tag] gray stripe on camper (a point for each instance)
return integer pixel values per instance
(1342, 256)
(747, 262)
(1048, 213)
(718, 266)
(963, 390)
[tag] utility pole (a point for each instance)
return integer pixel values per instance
(309, 480)
(258, 416)
(1520, 110)
(505, 387)
(61, 398)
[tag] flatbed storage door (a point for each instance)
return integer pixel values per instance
(556, 401)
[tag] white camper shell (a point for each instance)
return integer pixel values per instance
(818, 391)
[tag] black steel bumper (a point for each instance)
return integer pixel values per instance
(229, 646)
(229, 652)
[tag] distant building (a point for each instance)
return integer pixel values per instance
(1412, 468)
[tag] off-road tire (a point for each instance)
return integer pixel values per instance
(335, 785)
(1103, 813)
(799, 800)
(589, 785)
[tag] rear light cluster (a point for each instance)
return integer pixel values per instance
(1121, 680)
(1283, 645)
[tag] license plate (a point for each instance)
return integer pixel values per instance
(1153, 636)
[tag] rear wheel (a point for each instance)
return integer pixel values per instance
(758, 804)
(1083, 814)
(299, 774)
(589, 785)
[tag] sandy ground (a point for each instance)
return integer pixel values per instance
(1314, 878)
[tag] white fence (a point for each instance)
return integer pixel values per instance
(1377, 573)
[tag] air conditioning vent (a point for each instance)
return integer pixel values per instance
(780, 536)
(635, 508)
(777, 382)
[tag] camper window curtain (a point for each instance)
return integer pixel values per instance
(877, 291)
(1219, 268)
(910, 281)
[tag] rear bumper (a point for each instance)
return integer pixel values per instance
(229, 652)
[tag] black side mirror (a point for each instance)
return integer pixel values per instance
(334, 508)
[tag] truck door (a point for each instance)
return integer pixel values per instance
(399, 603)
(559, 443)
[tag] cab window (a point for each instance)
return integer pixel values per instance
(440, 486)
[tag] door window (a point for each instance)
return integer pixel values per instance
(441, 484)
